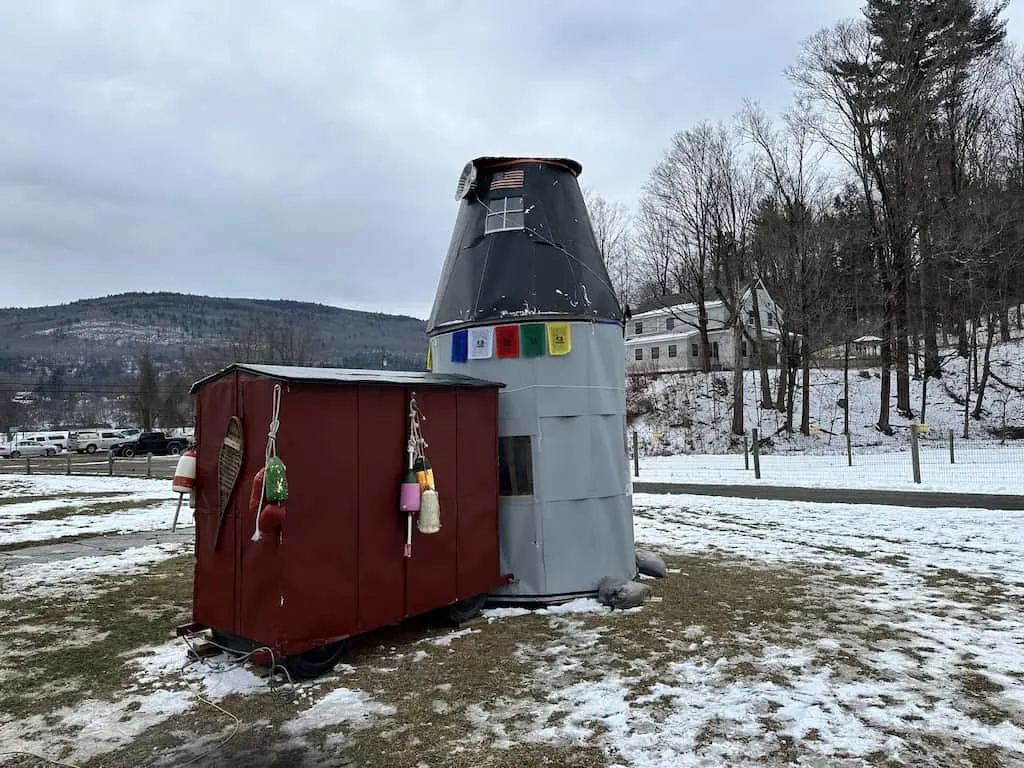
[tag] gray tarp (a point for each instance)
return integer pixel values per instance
(577, 528)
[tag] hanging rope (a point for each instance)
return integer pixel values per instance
(275, 423)
(416, 443)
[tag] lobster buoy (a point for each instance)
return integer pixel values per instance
(272, 517)
(256, 494)
(424, 474)
(185, 473)
(409, 497)
(429, 520)
(275, 482)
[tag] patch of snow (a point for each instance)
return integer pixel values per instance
(340, 706)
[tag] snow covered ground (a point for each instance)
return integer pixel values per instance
(991, 469)
(785, 634)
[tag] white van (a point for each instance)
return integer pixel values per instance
(90, 441)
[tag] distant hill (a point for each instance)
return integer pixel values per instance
(101, 339)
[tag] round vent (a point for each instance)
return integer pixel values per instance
(467, 181)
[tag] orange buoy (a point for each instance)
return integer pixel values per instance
(185, 473)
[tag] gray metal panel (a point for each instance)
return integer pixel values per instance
(579, 525)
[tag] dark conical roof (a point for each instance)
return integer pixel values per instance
(522, 247)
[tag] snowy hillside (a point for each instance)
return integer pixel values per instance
(692, 412)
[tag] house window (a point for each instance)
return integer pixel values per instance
(750, 317)
(714, 350)
(694, 350)
(670, 323)
(671, 350)
(771, 318)
(744, 349)
(639, 354)
(655, 353)
(505, 214)
(638, 328)
(515, 466)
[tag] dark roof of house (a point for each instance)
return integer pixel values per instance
(310, 374)
(672, 300)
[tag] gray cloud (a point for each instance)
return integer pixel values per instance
(310, 150)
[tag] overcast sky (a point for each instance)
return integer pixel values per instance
(310, 150)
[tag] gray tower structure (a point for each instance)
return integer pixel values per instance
(524, 298)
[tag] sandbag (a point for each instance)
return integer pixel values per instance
(650, 564)
(617, 592)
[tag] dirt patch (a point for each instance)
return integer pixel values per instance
(60, 513)
(28, 499)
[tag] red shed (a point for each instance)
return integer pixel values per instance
(336, 567)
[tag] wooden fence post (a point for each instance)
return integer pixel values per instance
(849, 450)
(68, 464)
(110, 464)
(149, 465)
(636, 455)
(746, 451)
(952, 450)
(915, 453)
(28, 465)
(757, 454)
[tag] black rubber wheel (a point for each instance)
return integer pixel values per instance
(462, 611)
(174, 450)
(128, 452)
(316, 661)
(15, 455)
(90, 449)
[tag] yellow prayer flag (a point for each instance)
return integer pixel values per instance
(559, 338)
(430, 357)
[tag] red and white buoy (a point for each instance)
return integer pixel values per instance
(184, 480)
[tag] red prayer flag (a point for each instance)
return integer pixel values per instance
(506, 339)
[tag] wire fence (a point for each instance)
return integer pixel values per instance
(921, 458)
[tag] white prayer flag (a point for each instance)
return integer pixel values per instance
(481, 343)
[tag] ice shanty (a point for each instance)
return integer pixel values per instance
(306, 483)
(524, 298)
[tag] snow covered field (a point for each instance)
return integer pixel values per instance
(785, 634)
(991, 469)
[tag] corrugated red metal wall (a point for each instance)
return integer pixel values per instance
(338, 569)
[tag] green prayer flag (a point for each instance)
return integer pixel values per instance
(534, 339)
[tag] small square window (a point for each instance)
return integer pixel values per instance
(744, 349)
(515, 466)
(638, 328)
(639, 354)
(714, 350)
(505, 213)
(694, 350)
(671, 350)
(670, 323)
(655, 353)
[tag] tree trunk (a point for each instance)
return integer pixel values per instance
(782, 364)
(963, 347)
(737, 376)
(985, 369)
(901, 286)
(805, 396)
(1020, 320)
(929, 314)
(967, 402)
(1004, 323)
(791, 366)
(762, 363)
(886, 393)
(917, 356)
(974, 351)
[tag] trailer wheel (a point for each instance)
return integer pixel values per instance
(462, 611)
(316, 661)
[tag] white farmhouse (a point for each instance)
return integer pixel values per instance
(663, 335)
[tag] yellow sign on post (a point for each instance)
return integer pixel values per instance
(921, 428)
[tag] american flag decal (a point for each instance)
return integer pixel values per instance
(507, 179)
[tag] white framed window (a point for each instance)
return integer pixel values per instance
(670, 323)
(639, 327)
(504, 214)
(655, 353)
(639, 353)
(671, 350)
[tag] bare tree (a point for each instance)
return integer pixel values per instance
(612, 226)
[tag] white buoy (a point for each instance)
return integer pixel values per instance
(430, 512)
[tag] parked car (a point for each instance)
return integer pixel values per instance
(5, 452)
(156, 443)
(57, 441)
(90, 440)
(28, 449)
